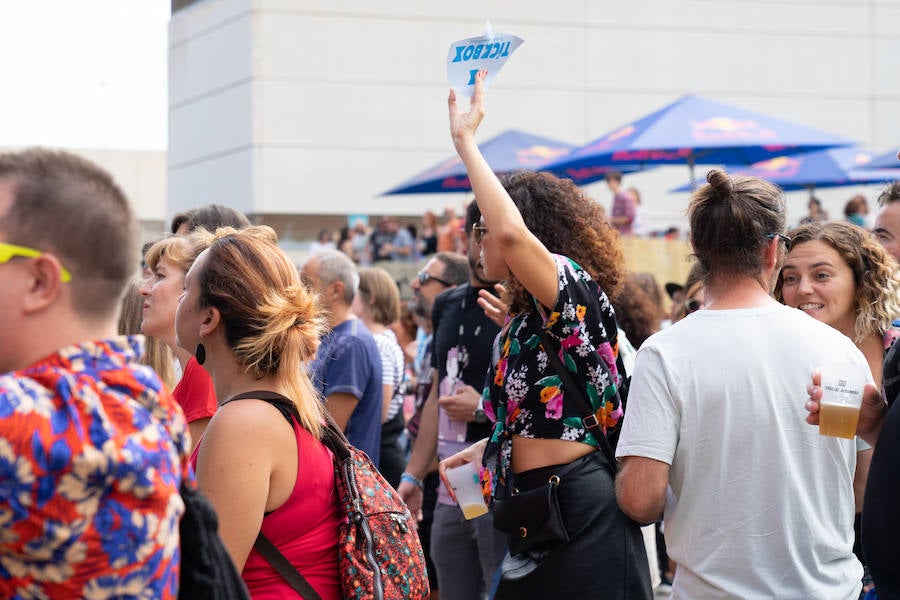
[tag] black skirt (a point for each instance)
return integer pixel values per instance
(605, 555)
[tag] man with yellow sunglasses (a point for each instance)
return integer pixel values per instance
(92, 446)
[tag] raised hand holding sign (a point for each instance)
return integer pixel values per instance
(467, 57)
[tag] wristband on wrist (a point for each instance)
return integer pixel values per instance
(410, 478)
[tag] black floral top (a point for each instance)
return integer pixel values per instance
(524, 396)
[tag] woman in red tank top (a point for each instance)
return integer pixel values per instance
(251, 323)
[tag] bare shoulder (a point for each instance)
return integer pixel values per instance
(248, 419)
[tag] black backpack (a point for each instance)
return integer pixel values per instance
(207, 571)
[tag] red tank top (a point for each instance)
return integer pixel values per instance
(304, 528)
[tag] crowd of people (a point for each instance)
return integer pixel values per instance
(620, 445)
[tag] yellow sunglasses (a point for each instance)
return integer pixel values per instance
(9, 251)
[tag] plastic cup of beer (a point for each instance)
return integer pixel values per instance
(467, 488)
(842, 391)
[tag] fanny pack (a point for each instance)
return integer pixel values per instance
(532, 519)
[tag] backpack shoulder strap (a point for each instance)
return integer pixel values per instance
(282, 403)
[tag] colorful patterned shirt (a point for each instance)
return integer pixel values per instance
(93, 450)
(525, 397)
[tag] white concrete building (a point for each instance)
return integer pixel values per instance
(313, 107)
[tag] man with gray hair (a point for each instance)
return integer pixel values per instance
(347, 367)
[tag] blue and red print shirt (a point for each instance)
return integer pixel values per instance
(93, 450)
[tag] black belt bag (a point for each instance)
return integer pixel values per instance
(532, 519)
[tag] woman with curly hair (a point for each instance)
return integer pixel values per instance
(838, 273)
(252, 324)
(559, 260)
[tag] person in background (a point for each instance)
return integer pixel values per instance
(169, 260)
(377, 304)
(639, 225)
(362, 246)
(93, 448)
(157, 355)
(400, 245)
(208, 217)
(347, 367)
(887, 221)
(446, 270)
(857, 210)
(714, 438)
(637, 313)
(253, 324)
(428, 236)
(324, 241)
(557, 257)
(839, 274)
(345, 243)
(624, 209)
(449, 231)
(816, 213)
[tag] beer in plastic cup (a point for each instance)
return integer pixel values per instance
(467, 488)
(842, 391)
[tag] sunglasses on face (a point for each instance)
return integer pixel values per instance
(424, 277)
(478, 232)
(10, 251)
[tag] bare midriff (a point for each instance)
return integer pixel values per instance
(534, 453)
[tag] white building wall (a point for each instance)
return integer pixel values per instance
(318, 106)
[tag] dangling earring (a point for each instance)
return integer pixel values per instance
(200, 353)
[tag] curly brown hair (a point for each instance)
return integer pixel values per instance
(567, 223)
(636, 312)
(874, 272)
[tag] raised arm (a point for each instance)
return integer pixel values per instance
(525, 256)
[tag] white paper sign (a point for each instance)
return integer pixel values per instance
(467, 57)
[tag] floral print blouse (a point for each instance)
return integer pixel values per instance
(93, 449)
(524, 395)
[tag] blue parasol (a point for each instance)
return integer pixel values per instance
(694, 130)
(509, 151)
(888, 160)
(835, 167)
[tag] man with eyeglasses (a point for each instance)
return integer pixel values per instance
(465, 552)
(93, 448)
(443, 271)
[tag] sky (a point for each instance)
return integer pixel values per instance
(84, 73)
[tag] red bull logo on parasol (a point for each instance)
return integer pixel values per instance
(780, 166)
(611, 139)
(456, 183)
(536, 155)
(729, 129)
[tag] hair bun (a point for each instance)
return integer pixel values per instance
(721, 183)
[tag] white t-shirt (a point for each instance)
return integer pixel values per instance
(759, 504)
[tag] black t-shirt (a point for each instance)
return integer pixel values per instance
(881, 508)
(461, 327)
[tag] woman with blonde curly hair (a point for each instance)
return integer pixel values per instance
(560, 262)
(252, 324)
(838, 273)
